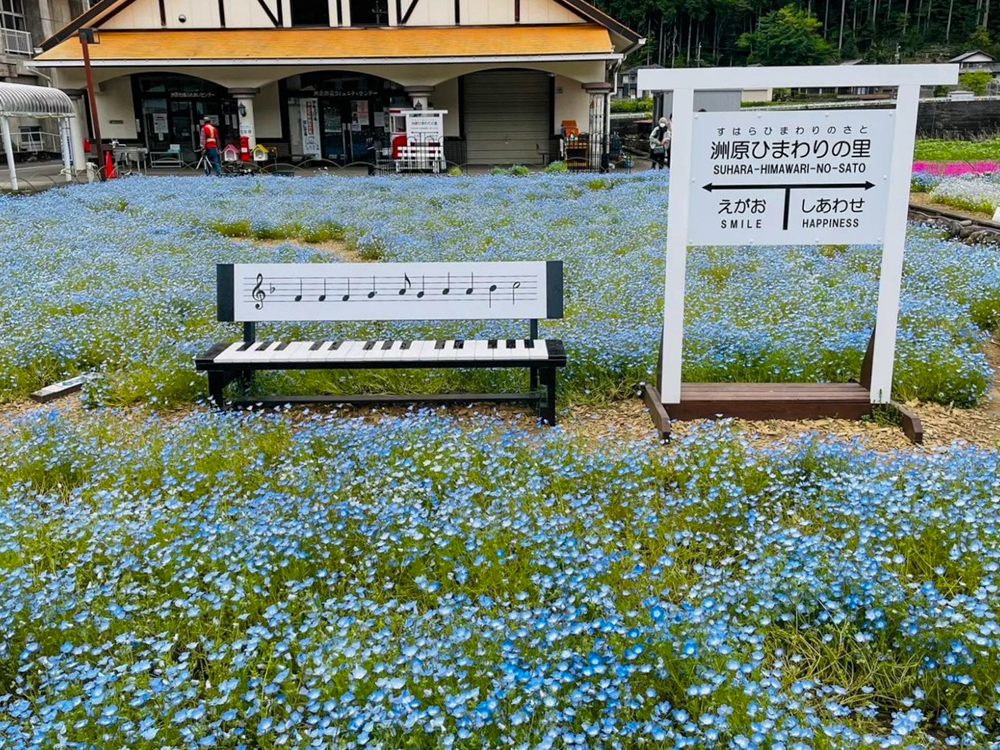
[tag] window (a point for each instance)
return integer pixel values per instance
(12, 15)
(369, 12)
(310, 13)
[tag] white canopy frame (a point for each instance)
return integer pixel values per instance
(38, 102)
(684, 82)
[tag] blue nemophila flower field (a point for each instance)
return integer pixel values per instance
(119, 279)
(250, 582)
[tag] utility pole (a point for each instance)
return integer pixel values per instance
(86, 39)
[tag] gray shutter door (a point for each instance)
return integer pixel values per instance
(507, 116)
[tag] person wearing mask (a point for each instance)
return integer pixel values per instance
(210, 145)
(659, 144)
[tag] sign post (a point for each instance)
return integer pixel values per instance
(787, 177)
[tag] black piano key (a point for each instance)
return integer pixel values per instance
(529, 343)
(387, 345)
(245, 345)
(406, 344)
(316, 345)
(439, 344)
(492, 344)
(459, 343)
(281, 347)
(336, 345)
(511, 344)
(369, 345)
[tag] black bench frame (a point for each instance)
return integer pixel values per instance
(541, 373)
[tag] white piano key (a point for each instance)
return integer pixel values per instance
(376, 353)
(411, 353)
(355, 352)
(248, 354)
(227, 354)
(319, 355)
(482, 351)
(392, 353)
(449, 353)
(466, 353)
(502, 352)
(294, 352)
(539, 351)
(269, 354)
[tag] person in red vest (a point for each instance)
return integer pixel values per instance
(210, 145)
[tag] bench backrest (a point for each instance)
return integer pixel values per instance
(421, 152)
(259, 292)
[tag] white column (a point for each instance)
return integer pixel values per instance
(678, 216)
(77, 125)
(244, 107)
(65, 148)
(9, 148)
(894, 243)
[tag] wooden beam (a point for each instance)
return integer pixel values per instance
(866, 363)
(270, 14)
(661, 420)
(409, 12)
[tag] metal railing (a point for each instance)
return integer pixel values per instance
(14, 42)
(34, 142)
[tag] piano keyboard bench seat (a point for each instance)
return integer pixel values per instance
(226, 363)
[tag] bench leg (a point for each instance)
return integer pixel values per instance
(533, 379)
(245, 379)
(216, 387)
(548, 410)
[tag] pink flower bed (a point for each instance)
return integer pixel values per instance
(956, 169)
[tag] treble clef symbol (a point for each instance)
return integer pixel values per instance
(259, 294)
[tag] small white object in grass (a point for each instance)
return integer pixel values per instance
(996, 215)
(60, 389)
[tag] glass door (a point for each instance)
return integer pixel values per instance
(183, 130)
(156, 125)
(334, 140)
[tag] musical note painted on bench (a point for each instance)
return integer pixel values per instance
(348, 295)
(322, 297)
(493, 288)
(406, 285)
(258, 294)
(472, 284)
(513, 292)
(298, 297)
(447, 288)
(372, 293)
(423, 289)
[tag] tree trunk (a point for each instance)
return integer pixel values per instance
(826, 19)
(947, 29)
(843, 10)
(688, 58)
(986, 14)
(906, 16)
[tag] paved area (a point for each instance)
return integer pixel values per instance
(36, 176)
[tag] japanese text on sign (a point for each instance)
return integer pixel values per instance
(801, 178)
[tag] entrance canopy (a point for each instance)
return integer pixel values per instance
(18, 100)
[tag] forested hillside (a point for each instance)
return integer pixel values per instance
(774, 32)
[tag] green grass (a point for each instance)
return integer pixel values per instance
(930, 149)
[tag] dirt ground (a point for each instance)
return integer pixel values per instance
(630, 420)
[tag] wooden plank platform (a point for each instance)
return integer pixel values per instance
(771, 401)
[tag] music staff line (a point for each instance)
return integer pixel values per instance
(361, 288)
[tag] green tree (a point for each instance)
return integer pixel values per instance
(978, 82)
(787, 37)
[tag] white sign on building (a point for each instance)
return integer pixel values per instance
(790, 178)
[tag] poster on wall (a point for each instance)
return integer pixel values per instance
(160, 123)
(309, 115)
(332, 121)
(359, 109)
(380, 119)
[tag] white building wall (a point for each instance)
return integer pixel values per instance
(572, 103)
(478, 12)
(144, 14)
(247, 14)
(116, 110)
(267, 113)
(446, 96)
(198, 14)
(546, 11)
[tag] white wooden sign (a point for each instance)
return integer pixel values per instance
(687, 165)
(790, 178)
(389, 291)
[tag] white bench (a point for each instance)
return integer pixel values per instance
(421, 157)
(255, 293)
